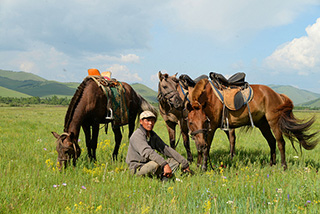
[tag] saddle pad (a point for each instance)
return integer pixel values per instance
(115, 94)
(233, 98)
(119, 106)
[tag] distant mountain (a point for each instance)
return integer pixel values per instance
(298, 96)
(4, 92)
(311, 104)
(23, 84)
(146, 92)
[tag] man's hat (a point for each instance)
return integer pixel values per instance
(147, 114)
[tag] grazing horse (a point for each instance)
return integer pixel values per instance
(88, 108)
(173, 96)
(270, 112)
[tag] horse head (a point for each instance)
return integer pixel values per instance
(67, 148)
(199, 125)
(167, 90)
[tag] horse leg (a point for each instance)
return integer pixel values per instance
(87, 133)
(264, 127)
(281, 145)
(232, 139)
(206, 150)
(131, 125)
(186, 140)
(94, 140)
(200, 157)
(171, 127)
(117, 138)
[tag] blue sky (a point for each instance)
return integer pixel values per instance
(273, 42)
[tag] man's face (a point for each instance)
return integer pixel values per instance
(148, 123)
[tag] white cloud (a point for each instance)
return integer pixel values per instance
(129, 58)
(122, 73)
(301, 55)
(225, 20)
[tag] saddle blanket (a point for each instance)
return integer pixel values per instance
(116, 100)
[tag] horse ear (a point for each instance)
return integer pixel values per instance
(175, 75)
(160, 75)
(55, 134)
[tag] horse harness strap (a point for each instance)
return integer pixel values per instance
(232, 96)
(184, 93)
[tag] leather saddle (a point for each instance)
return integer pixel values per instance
(234, 92)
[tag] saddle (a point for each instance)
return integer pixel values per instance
(234, 93)
(185, 81)
(117, 110)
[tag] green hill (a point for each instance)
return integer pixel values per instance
(311, 104)
(298, 96)
(146, 92)
(4, 92)
(20, 76)
(22, 84)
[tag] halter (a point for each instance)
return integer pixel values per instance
(165, 97)
(204, 130)
(74, 147)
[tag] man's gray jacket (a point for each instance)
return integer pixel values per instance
(141, 151)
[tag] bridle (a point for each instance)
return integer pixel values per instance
(165, 97)
(62, 137)
(203, 131)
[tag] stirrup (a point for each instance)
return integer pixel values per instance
(110, 117)
(225, 126)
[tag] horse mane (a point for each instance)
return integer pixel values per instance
(197, 91)
(73, 103)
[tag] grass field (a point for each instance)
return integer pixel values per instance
(31, 183)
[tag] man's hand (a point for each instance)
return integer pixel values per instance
(188, 170)
(167, 172)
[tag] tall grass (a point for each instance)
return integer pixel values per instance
(31, 183)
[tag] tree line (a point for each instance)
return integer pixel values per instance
(24, 101)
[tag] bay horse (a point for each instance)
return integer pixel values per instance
(271, 113)
(173, 95)
(88, 109)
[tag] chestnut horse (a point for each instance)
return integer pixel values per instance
(173, 95)
(271, 113)
(88, 109)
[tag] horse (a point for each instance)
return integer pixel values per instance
(270, 112)
(88, 109)
(173, 95)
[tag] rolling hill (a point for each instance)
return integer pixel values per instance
(23, 84)
(298, 96)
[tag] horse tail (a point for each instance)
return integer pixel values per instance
(292, 127)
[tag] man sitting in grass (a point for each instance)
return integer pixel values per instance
(142, 157)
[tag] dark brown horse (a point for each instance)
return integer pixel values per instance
(271, 113)
(88, 109)
(173, 95)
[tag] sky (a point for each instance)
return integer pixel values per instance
(272, 41)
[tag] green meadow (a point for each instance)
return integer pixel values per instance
(31, 183)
